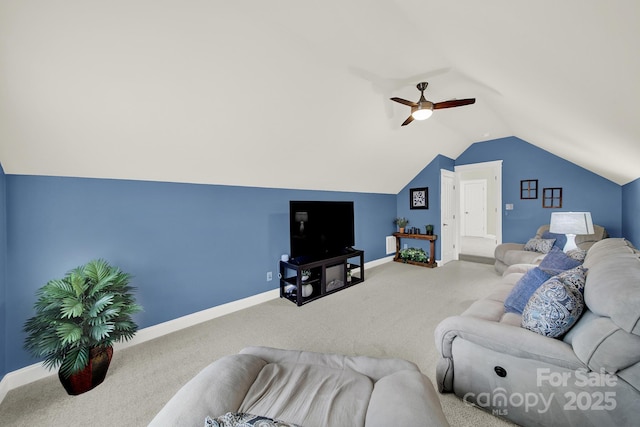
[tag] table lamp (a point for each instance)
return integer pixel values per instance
(570, 224)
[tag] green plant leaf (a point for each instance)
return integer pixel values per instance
(101, 331)
(69, 333)
(71, 307)
(75, 361)
(100, 304)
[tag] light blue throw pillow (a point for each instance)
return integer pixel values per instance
(553, 308)
(523, 289)
(557, 261)
(561, 239)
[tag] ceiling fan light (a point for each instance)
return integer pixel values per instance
(422, 113)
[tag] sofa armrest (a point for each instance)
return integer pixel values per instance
(502, 249)
(217, 389)
(405, 398)
(505, 339)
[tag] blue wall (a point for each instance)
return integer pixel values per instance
(189, 247)
(3, 272)
(428, 177)
(582, 190)
(630, 209)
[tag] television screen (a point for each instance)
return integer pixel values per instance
(320, 228)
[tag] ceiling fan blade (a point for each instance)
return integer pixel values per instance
(453, 103)
(406, 122)
(405, 102)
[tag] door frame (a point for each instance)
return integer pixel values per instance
(496, 167)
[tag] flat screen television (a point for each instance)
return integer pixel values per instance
(320, 229)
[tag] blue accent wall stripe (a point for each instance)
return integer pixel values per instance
(188, 246)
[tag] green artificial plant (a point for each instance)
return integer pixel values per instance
(90, 307)
(401, 222)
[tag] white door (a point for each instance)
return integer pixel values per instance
(448, 233)
(474, 208)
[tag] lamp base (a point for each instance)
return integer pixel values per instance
(571, 243)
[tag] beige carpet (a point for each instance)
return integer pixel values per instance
(392, 314)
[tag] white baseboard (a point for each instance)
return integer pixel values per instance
(37, 371)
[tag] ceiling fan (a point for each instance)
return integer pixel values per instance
(423, 109)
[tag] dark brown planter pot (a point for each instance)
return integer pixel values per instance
(92, 375)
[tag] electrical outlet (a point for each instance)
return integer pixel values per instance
(269, 276)
(406, 246)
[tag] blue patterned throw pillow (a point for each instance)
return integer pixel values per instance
(523, 289)
(576, 277)
(553, 308)
(539, 245)
(241, 419)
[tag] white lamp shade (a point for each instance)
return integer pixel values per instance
(571, 223)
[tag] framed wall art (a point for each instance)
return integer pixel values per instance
(529, 189)
(419, 198)
(552, 197)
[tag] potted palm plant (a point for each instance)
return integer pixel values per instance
(401, 222)
(78, 318)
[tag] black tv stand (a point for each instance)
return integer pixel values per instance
(328, 275)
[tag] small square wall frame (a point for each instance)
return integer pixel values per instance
(529, 189)
(552, 197)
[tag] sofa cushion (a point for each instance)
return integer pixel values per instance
(613, 283)
(603, 345)
(556, 261)
(523, 289)
(553, 308)
(539, 245)
(277, 393)
(522, 257)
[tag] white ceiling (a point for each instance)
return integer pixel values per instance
(295, 94)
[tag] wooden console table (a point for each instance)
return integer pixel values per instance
(432, 248)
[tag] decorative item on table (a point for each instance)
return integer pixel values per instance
(78, 318)
(305, 275)
(429, 229)
(334, 284)
(307, 290)
(401, 222)
(414, 254)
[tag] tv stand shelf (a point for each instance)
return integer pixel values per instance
(328, 275)
(432, 248)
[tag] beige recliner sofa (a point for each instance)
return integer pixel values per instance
(588, 377)
(307, 389)
(507, 254)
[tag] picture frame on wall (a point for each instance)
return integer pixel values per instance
(528, 189)
(552, 197)
(419, 198)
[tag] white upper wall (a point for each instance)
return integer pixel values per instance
(293, 94)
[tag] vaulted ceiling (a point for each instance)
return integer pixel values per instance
(295, 94)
